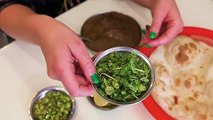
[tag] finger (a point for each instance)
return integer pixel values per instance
(98, 53)
(78, 69)
(71, 82)
(81, 54)
(82, 80)
(158, 15)
(85, 90)
(84, 84)
(144, 41)
(52, 75)
(173, 29)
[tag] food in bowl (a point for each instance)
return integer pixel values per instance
(111, 29)
(126, 76)
(184, 79)
(52, 103)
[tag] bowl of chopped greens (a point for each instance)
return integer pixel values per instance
(52, 103)
(126, 75)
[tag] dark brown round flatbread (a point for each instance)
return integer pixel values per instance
(111, 29)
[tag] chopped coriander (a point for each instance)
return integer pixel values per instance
(124, 76)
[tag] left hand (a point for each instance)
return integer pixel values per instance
(166, 17)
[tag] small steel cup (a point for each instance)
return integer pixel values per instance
(104, 108)
(126, 49)
(42, 94)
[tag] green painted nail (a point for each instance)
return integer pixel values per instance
(95, 78)
(152, 35)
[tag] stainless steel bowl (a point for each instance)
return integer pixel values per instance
(126, 49)
(104, 108)
(43, 92)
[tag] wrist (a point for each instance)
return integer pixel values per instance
(45, 28)
(146, 3)
(48, 30)
(37, 26)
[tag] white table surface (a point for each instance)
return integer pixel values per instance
(23, 70)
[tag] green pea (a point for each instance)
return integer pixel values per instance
(47, 116)
(46, 100)
(62, 109)
(55, 105)
(40, 117)
(68, 105)
(41, 107)
(66, 112)
(59, 103)
(49, 104)
(37, 111)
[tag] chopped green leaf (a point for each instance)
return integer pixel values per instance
(124, 76)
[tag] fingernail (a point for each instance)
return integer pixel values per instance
(95, 78)
(152, 35)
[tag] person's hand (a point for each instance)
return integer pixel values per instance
(65, 54)
(67, 58)
(166, 23)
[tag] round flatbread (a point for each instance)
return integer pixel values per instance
(184, 79)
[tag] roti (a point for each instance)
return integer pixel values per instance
(184, 79)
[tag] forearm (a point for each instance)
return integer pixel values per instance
(21, 22)
(145, 3)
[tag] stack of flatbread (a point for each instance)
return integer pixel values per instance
(184, 79)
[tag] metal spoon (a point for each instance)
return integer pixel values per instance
(85, 39)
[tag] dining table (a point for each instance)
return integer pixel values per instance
(23, 70)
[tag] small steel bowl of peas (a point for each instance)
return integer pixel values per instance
(52, 103)
(126, 76)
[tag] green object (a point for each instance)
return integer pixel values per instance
(152, 35)
(95, 78)
(124, 76)
(147, 27)
(54, 105)
(145, 45)
(143, 31)
(109, 90)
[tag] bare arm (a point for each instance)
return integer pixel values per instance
(59, 44)
(21, 22)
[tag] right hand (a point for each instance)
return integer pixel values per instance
(166, 15)
(64, 53)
